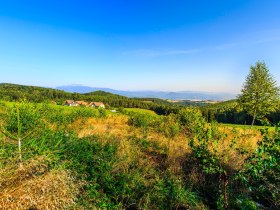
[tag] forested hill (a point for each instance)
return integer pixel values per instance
(224, 112)
(14, 92)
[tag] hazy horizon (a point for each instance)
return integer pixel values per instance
(128, 90)
(155, 90)
(140, 45)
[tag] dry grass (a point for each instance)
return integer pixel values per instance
(119, 128)
(114, 124)
(178, 148)
(234, 140)
(34, 186)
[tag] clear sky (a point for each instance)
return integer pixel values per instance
(138, 44)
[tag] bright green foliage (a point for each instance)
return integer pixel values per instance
(139, 120)
(22, 116)
(262, 172)
(191, 120)
(102, 112)
(211, 167)
(21, 122)
(142, 120)
(208, 161)
(171, 126)
(260, 93)
(170, 193)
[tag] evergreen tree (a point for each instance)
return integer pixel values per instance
(260, 94)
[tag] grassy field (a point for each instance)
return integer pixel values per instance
(84, 158)
(142, 111)
(248, 127)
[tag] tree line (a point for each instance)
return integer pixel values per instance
(230, 112)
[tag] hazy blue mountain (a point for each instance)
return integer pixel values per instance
(82, 89)
(184, 95)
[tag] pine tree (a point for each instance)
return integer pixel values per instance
(260, 94)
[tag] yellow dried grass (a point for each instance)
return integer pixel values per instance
(33, 186)
(178, 148)
(115, 125)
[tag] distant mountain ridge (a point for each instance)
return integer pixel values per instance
(177, 95)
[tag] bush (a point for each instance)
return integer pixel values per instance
(192, 121)
(29, 118)
(262, 172)
(102, 112)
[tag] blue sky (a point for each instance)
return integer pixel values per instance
(138, 44)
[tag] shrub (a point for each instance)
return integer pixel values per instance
(192, 121)
(262, 172)
(29, 118)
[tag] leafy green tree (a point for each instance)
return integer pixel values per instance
(260, 94)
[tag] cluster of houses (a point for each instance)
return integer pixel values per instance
(83, 103)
